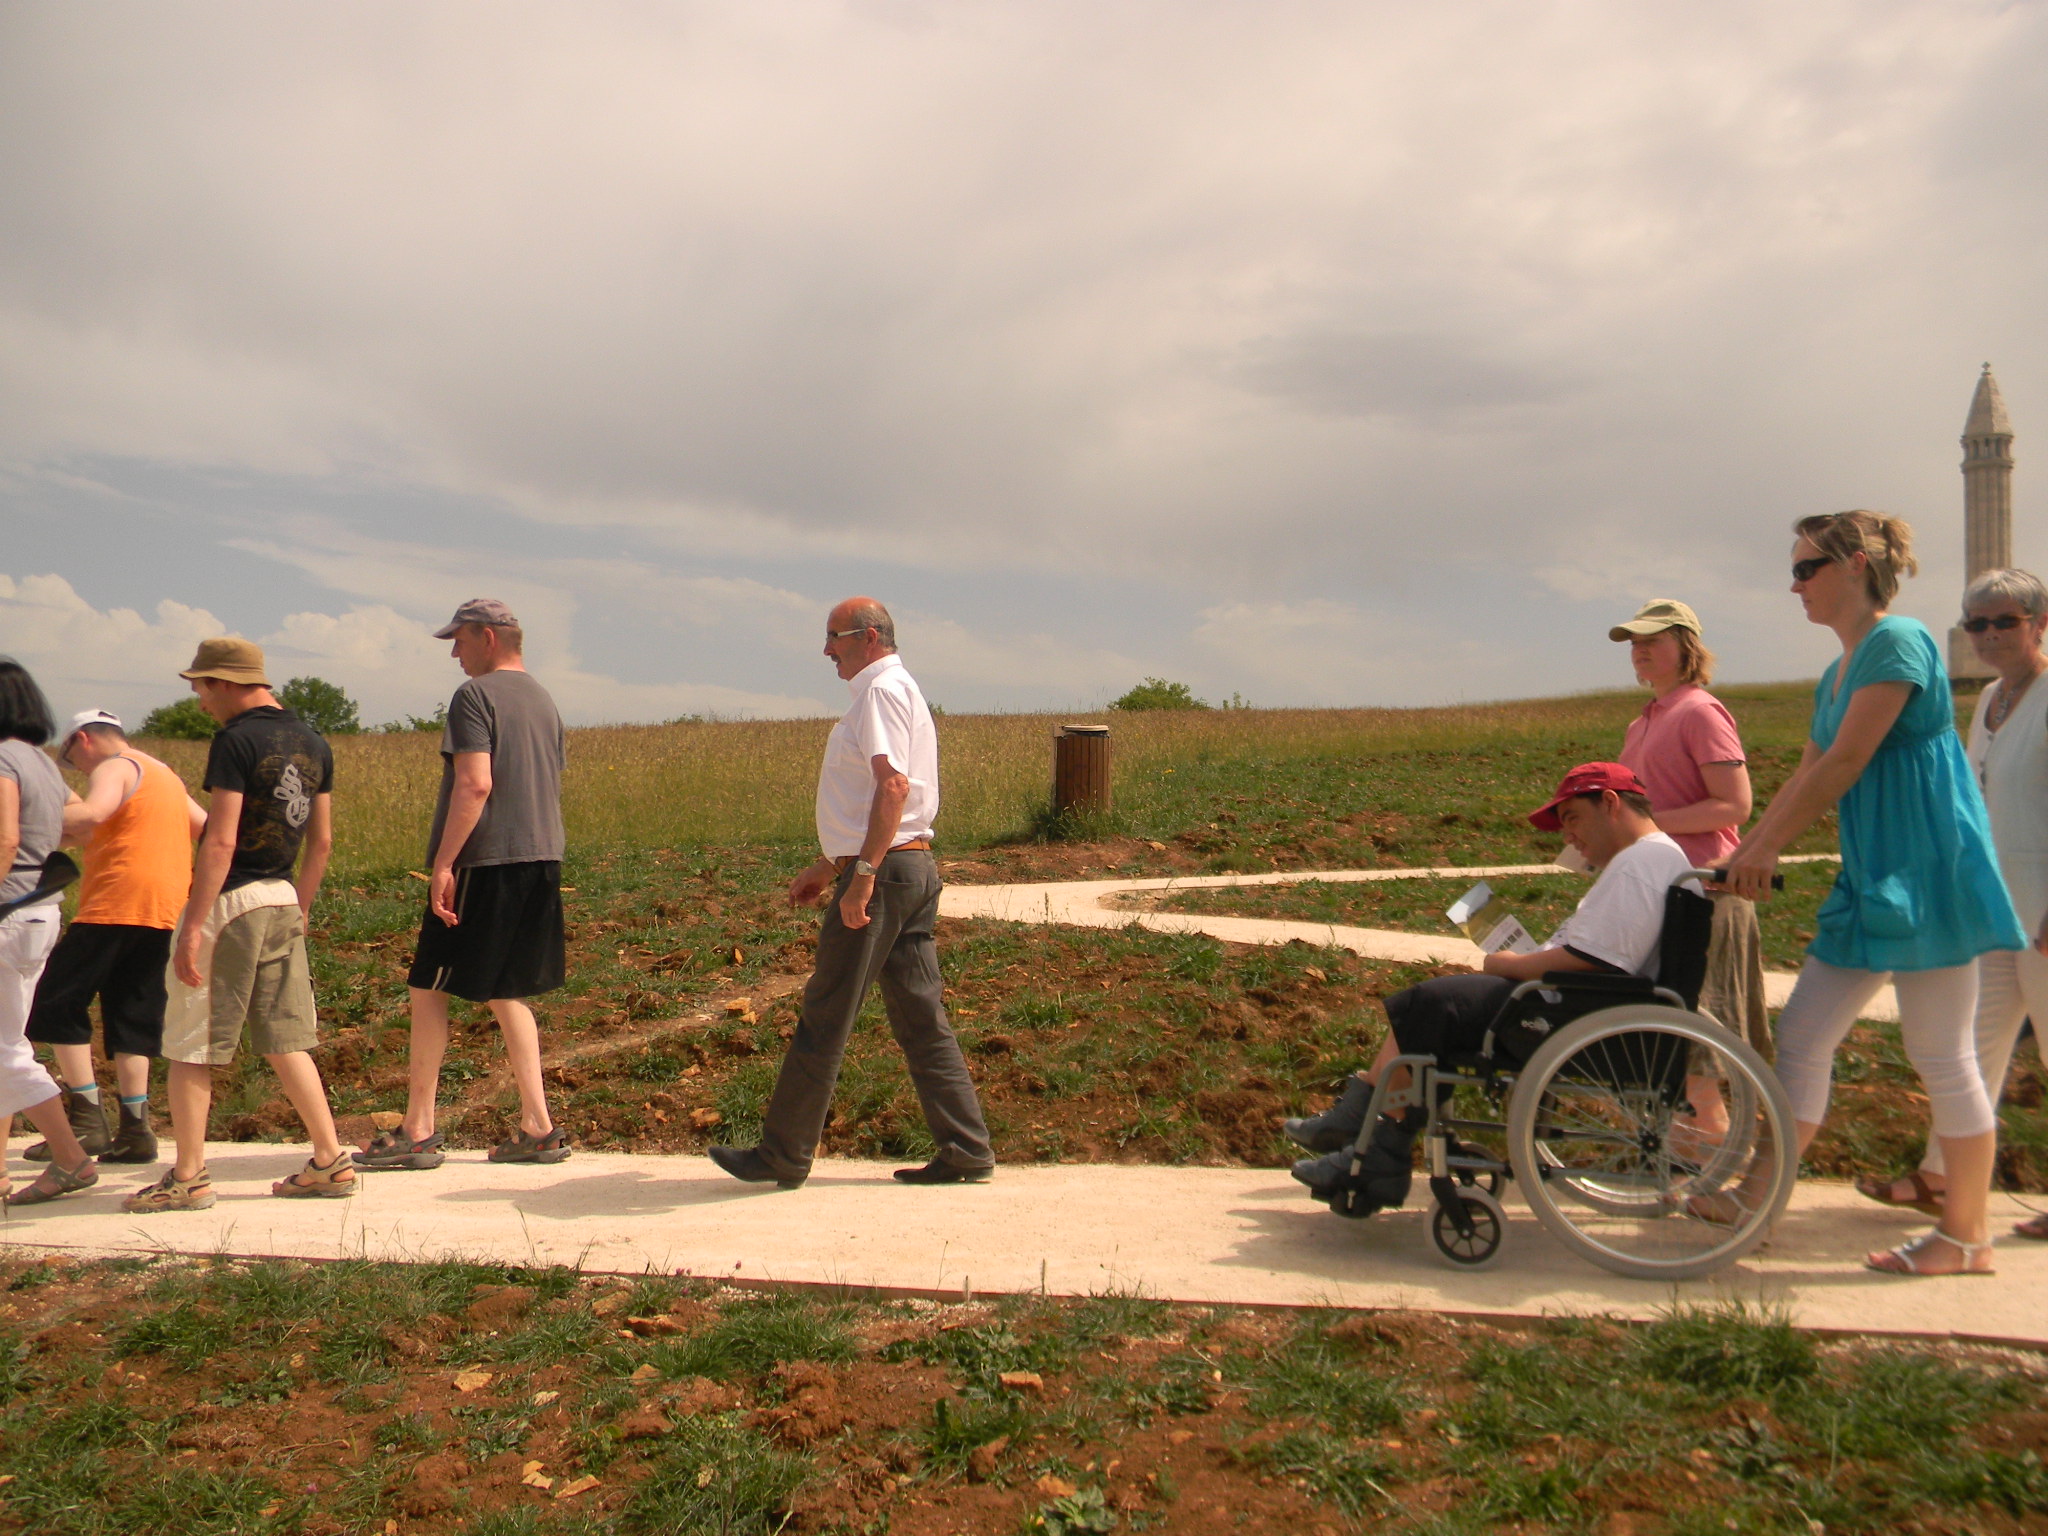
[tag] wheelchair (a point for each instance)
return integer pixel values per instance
(1599, 1124)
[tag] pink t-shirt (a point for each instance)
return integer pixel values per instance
(1667, 743)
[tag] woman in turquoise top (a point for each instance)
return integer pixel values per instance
(1919, 896)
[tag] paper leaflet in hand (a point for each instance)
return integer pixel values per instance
(1487, 922)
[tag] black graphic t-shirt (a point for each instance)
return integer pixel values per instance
(278, 764)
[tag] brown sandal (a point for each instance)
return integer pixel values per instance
(2034, 1227)
(337, 1181)
(1926, 1198)
(54, 1182)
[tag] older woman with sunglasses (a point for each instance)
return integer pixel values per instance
(1919, 896)
(2005, 613)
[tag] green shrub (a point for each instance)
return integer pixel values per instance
(1158, 693)
(182, 721)
(322, 705)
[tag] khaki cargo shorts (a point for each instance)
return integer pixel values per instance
(259, 983)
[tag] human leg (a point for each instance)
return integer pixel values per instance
(848, 960)
(913, 996)
(1937, 1010)
(300, 1079)
(26, 939)
(189, 1088)
(521, 1032)
(427, 1050)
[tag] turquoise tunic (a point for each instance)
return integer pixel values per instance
(1919, 887)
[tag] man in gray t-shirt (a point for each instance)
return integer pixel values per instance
(492, 932)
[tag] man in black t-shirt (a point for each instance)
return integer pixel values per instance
(240, 955)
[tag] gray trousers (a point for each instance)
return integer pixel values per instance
(895, 949)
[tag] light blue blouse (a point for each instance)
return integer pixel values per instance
(1919, 887)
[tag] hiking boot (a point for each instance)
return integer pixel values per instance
(1337, 1127)
(171, 1193)
(88, 1119)
(134, 1142)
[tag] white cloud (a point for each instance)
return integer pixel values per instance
(1301, 302)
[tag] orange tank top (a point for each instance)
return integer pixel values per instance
(138, 864)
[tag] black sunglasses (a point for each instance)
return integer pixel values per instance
(2002, 623)
(1806, 570)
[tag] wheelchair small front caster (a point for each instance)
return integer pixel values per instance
(1480, 1247)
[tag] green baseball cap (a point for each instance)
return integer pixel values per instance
(1656, 616)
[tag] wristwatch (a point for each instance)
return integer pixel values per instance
(863, 867)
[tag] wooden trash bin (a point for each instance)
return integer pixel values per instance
(1080, 770)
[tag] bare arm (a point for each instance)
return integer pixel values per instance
(885, 819)
(466, 799)
(209, 874)
(313, 852)
(106, 790)
(196, 816)
(1821, 780)
(10, 824)
(1728, 802)
(1534, 967)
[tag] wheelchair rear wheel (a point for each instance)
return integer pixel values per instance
(1600, 1138)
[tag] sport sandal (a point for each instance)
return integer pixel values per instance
(337, 1181)
(1905, 1259)
(171, 1193)
(520, 1147)
(54, 1182)
(387, 1150)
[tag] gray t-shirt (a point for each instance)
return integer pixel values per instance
(510, 716)
(43, 793)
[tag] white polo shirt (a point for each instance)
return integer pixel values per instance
(889, 717)
(1621, 920)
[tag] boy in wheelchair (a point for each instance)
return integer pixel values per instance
(1603, 811)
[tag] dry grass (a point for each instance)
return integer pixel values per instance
(726, 782)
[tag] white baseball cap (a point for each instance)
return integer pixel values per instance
(87, 717)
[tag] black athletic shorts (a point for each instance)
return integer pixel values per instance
(507, 941)
(123, 966)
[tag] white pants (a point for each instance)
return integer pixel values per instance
(26, 939)
(1936, 1009)
(2012, 984)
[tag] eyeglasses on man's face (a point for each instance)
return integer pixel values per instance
(2003, 622)
(842, 634)
(1806, 570)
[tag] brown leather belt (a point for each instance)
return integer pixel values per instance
(845, 863)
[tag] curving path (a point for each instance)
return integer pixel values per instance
(1095, 904)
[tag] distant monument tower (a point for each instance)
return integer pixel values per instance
(1987, 506)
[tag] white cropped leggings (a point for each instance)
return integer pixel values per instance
(2012, 984)
(1936, 1009)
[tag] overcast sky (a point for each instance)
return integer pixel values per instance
(1325, 353)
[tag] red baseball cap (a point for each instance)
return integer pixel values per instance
(1586, 779)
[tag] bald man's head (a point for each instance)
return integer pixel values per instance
(866, 613)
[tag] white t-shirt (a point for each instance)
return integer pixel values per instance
(1621, 919)
(889, 717)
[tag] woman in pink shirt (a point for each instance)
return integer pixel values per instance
(1685, 747)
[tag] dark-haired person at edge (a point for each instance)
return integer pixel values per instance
(878, 795)
(1685, 747)
(2004, 613)
(1919, 897)
(32, 796)
(492, 932)
(1603, 810)
(239, 957)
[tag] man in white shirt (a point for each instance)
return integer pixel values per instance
(878, 794)
(1603, 810)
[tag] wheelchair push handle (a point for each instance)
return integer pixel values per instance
(1720, 877)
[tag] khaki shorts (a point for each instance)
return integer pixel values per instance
(260, 983)
(1733, 991)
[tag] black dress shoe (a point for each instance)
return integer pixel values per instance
(939, 1171)
(747, 1165)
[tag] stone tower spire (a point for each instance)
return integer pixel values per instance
(1987, 504)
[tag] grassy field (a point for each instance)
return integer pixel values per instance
(464, 1400)
(1088, 1044)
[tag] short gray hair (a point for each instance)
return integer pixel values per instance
(2023, 589)
(873, 616)
(100, 730)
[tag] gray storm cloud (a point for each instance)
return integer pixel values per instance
(1273, 306)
